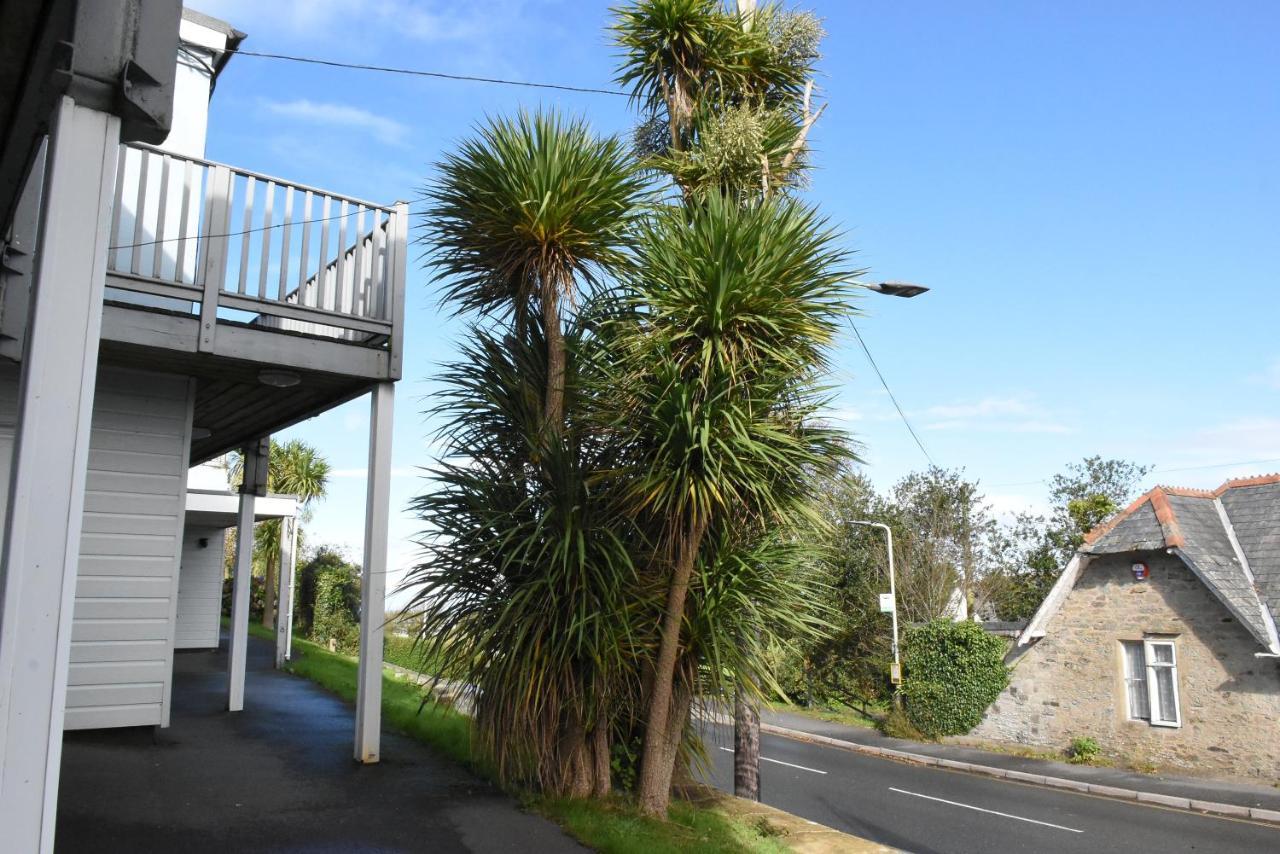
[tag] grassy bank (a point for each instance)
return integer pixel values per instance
(837, 715)
(613, 827)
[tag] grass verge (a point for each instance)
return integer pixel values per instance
(837, 715)
(613, 826)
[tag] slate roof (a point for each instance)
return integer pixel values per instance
(1229, 537)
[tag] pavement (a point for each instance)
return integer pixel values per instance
(1201, 790)
(923, 808)
(278, 776)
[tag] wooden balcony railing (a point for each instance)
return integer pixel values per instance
(236, 246)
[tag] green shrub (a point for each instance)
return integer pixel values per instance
(952, 673)
(323, 559)
(1084, 750)
(335, 618)
(896, 724)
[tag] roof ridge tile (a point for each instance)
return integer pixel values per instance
(1173, 531)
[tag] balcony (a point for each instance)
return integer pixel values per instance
(223, 273)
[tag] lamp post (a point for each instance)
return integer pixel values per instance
(893, 589)
(906, 290)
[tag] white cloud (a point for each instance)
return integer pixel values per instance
(1007, 505)
(991, 415)
(1270, 376)
(985, 408)
(1239, 447)
(384, 128)
(436, 22)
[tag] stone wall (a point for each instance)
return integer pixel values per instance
(1071, 682)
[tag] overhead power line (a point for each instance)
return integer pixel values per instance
(889, 391)
(1162, 470)
(233, 233)
(440, 75)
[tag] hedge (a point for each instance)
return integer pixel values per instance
(951, 673)
(403, 651)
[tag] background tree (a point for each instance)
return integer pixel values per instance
(945, 530)
(849, 663)
(324, 559)
(1086, 495)
(294, 468)
(334, 612)
(1037, 548)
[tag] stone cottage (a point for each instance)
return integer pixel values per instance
(1159, 640)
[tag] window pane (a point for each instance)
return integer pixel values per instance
(1135, 666)
(1135, 681)
(1163, 653)
(1164, 691)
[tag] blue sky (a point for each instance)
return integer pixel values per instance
(1091, 190)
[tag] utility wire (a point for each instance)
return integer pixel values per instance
(889, 391)
(1161, 470)
(233, 233)
(415, 72)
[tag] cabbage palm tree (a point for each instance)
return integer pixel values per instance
(522, 216)
(295, 468)
(736, 308)
(525, 592)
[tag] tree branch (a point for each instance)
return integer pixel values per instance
(797, 145)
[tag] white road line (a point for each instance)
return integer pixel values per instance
(780, 762)
(980, 809)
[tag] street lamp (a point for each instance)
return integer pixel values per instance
(905, 290)
(893, 590)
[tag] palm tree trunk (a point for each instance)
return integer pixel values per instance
(576, 765)
(746, 746)
(554, 400)
(600, 753)
(658, 759)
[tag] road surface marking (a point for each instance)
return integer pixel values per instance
(780, 762)
(980, 809)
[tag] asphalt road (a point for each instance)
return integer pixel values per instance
(924, 809)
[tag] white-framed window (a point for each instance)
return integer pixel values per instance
(1151, 681)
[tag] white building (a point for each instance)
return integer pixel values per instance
(158, 310)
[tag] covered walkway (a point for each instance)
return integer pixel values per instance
(277, 776)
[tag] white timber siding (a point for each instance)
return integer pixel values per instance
(200, 589)
(8, 421)
(122, 635)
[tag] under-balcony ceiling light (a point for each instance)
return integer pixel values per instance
(279, 379)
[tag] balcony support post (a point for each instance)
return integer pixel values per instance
(373, 577)
(284, 601)
(213, 267)
(252, 484)
(399, 249)
(47, 470)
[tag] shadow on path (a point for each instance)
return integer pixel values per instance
(278, 776)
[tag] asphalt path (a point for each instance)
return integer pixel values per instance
(923, 809)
